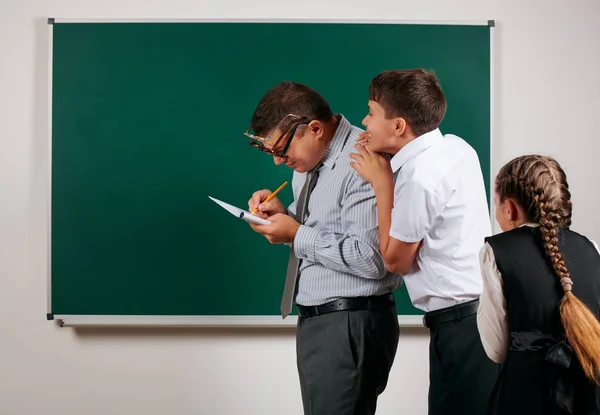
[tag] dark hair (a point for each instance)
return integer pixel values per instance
(539, 186)
(413, 94)
(289, 98)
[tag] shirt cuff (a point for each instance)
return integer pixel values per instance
(304, 243)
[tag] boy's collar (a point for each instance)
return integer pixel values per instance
(414, 148)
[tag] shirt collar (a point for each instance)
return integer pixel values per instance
(414, 148)
(337, 142)
(530, 224)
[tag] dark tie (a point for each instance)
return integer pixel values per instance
(291, 276)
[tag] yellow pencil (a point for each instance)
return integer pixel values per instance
(271, 196)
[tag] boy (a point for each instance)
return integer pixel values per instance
(432, 223)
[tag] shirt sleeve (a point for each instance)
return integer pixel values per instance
(596, 246)
(356, 250)
(491, 314)
(415, 211)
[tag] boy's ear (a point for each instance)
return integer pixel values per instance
(400, 126)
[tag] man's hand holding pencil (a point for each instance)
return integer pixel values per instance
(263, 203)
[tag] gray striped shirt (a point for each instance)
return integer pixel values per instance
(339, 241)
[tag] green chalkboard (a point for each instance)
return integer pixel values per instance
(148, 121)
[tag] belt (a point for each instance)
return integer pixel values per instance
(355, 303)
(456, 312)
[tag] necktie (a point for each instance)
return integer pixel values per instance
(291, 276)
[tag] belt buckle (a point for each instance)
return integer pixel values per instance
(425, 322)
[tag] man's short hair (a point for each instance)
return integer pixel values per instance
(413, 94)
(288, 98)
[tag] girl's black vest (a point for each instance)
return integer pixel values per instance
(542, 373)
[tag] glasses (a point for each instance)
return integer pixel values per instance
(289, 123)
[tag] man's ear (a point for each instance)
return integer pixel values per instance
(316, 128)
(400, 126)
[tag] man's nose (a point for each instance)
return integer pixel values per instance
(278, 160)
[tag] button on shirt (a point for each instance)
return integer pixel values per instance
(440, 199)
(338, 244)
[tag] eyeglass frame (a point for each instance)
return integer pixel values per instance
(259, 142)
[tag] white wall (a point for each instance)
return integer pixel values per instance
(547, 100)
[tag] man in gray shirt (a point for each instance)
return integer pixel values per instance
(347, 332)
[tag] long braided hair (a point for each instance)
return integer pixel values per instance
(539, 186)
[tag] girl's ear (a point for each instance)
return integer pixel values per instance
(513, 210)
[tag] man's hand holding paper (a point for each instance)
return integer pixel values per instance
(282, 229)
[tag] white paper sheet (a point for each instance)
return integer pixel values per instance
(240, 213)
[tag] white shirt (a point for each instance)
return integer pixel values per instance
(491, 315)
(440, 199)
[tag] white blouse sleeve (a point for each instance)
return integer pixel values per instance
(595, 246)
(491, 314)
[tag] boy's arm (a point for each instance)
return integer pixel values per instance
(397, 255)
(415, 211)
(406, 211)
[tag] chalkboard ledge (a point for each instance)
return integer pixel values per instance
(199, 321)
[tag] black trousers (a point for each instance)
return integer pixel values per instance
(344, 359)
(461, 376)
